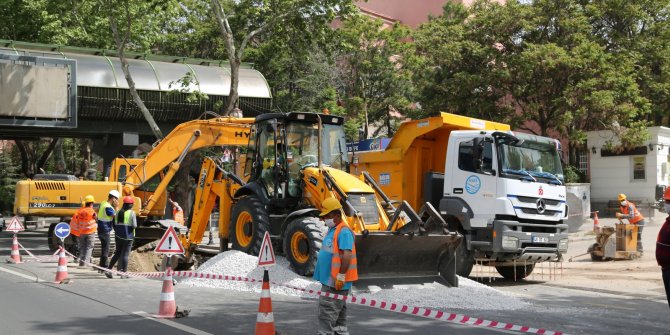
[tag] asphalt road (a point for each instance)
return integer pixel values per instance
(93, 304)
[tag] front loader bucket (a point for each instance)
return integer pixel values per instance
(389, 255)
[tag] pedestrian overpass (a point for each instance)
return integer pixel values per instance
(58, 91)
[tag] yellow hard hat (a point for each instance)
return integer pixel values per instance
(329, 205)
(621, 197)
(89, 198)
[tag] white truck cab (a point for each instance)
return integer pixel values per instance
(506, 190)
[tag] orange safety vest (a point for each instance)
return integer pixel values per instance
(352, 272)
(85, 221)
(178, 215)
(636, 216)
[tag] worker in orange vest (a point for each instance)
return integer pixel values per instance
(177, 212)
(630, 212)
(85, 221)
(336, 268)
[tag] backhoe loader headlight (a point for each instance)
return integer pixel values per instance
(510, 242)
(563, 245)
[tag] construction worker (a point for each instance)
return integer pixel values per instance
(630, 212)
(106, 215)
(124, 230)
(85, 223)
(335, 268)
(177, 212)
(663, 246)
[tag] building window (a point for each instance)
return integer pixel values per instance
(638, 165)
(583, 162)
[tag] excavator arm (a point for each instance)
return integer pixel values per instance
(170, 152)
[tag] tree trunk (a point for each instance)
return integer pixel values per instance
(234, 82)
(59, 157)
(26, 153)
(183, 184)
(46, 154)
(136, 98)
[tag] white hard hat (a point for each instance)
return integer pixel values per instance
(115, 193)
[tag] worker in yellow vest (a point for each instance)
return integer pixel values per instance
(106, 215)
(630, 212)
(336, 268)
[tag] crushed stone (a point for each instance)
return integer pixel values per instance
(470, 295)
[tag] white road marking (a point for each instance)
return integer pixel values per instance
(172, 324)
(34, 278)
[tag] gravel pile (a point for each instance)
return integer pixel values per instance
(469, 295)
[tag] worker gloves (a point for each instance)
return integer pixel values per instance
(339, 281)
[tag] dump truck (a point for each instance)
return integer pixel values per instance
(502, 190)
(292, 163)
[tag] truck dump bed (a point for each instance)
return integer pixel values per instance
(417, 148)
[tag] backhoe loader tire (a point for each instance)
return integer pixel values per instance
(508, 272)
(302, 242)
(248, 224)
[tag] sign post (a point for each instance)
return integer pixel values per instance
(169, 245)
(15, 225)
(266, 256)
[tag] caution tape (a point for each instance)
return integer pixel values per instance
(379, 304)
(383, 305)
(39, 259)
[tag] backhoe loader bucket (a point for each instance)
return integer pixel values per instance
(419, 249)
(385, 255)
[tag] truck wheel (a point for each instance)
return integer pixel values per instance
(248, 224)
(302, 242)
(515, 272)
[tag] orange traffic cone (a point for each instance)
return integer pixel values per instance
(15, 256)
(167, 307)
(596, 224)
(265, 321)
(61, 273)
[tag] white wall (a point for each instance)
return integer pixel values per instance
(613, 175)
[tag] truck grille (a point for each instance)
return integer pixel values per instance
(533, 200)
(366, 204)
(50, 186)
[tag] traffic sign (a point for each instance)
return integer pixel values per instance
(266, 257)
(15, 225)
(169, 243)
(62, 230)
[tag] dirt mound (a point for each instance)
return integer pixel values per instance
(144, 259)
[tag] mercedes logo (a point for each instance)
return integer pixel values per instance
(541, 206)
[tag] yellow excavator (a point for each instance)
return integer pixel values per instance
(292, 163)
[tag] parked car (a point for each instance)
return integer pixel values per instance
(2, 222)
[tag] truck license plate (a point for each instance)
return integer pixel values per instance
(539, 239)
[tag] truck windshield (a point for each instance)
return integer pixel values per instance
(302, 145)
(532, 161)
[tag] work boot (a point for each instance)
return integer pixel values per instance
(108, 274)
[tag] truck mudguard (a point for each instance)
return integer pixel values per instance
(457, 208)
(297, 214)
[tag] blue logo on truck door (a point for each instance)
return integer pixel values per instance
(473, 184)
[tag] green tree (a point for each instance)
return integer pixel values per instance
(374, 77)
(532, 62)
(242, 22)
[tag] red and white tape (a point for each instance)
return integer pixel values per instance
(379, 304)
(39, 259)
(388, 306)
